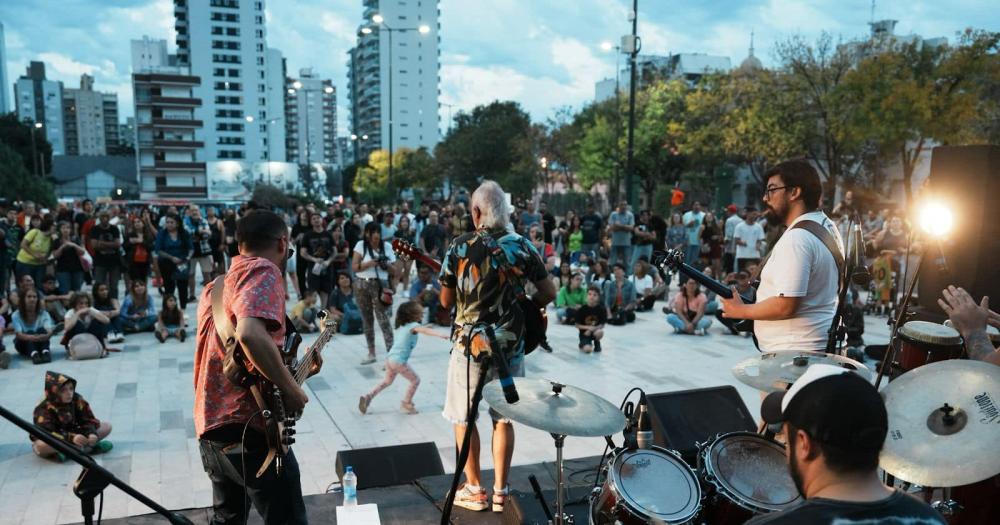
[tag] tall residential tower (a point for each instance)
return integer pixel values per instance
(39, 101)
(311, 119)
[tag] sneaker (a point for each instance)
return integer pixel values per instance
(4, 360)
(368, 360)
(182, 335)
(363, 404)
(115, 337)
(546, 346)
(60, 457)
(407, 408)
(499, 498)
(46, 356)
(597, 346)
(471, 500)
(160, 337)
(586, 349)
(36, 358)
(103, 447)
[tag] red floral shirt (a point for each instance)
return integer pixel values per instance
(254, 288)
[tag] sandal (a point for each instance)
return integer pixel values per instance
(499, 498)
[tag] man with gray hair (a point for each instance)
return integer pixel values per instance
(471, 281)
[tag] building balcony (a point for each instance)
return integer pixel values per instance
(181, 191)
(176, 123)
(164, 165)
(165, 78)
(176, 101)
(176, 144)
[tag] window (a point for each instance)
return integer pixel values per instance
(219, 72)
(259, 6)
(261, 88)
(217, 30)
(260, 48)
(226, 59)
(234, 73)
(230, 140)
(260, 61)
(233, 31)
(233, 4)
(228, 86)
(225, 17)
(259, 20)
(262, 101)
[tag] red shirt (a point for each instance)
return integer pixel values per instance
(254, 288)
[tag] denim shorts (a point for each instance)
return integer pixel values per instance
(463, 373)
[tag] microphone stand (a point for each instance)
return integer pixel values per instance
(94, 478)
(901, 314)
(835, 335)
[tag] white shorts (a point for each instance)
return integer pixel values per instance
(463, 375)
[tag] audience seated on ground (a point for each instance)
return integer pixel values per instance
(67, 415)
(32, 327)
(590, 320)
(647, 287)
(108, 305)
(55, 303)
(138, 313)
(688, 316)
(571, 296)
(82, 318)
(170, 322)
(619, 297)
(343, 307)
(304, 312)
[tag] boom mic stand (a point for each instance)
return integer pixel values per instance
(94, 478)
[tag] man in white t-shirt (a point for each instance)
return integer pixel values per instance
(733, 219)
(797, 297)
(749, 237)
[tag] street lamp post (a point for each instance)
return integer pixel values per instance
(379, 22)
(633, 54)
(34, 151)
(357, 145)
(608, 46)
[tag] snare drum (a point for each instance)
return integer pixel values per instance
(923, 342)
(646, 486)
(745, 474)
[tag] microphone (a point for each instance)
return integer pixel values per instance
(860, 276)
(644, 433)
(503, 373)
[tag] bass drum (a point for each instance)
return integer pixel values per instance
(745, 474)
(646, 486)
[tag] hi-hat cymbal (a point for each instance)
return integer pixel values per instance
(557, 409)
(944, 422)
(775, 371)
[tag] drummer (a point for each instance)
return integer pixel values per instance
(836, 424)
(971, 319)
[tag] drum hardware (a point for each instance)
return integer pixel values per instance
(947, 506)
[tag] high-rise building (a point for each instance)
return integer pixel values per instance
(311, 119)
(90, 119)
(223, 42)
(689, 67)
(40, 101)
(126, 134)
(274, 131)
(391, 46)
(166, 125)
(5, 105)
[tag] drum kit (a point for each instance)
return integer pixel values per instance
(943, 413)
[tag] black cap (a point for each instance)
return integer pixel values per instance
(834, 406)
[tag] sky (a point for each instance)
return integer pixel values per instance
(544, 54)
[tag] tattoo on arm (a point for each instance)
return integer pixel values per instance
(979, 346)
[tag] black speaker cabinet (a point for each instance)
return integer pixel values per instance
(966, 179)
(387, 466)
(685, 418)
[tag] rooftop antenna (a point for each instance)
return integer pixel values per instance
(751, 42)
(873, 12)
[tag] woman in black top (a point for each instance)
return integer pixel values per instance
(67, 250)
(299, 229)
(405, 233)
(139, 239)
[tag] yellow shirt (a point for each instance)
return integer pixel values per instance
(40, 243)
(298, 310)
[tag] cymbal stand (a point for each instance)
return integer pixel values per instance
(947, 506)
(901, 315)
(560, 518)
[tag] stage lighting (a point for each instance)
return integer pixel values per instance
(936, 219)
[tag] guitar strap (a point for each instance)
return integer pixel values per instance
(227, 335)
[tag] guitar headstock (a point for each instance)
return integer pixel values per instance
(405, 248)
(669, 260)
(326, 321)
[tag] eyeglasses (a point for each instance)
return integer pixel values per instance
(768, 191)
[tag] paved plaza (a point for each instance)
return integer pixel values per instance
(146, 392)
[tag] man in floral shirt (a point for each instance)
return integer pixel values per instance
(227, 420)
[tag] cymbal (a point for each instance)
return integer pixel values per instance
(925, 449)
(776, 371)
(570, 412)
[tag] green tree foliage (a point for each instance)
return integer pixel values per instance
(269, 196)
(659, 127)
(17, 183)
(411, 168)
(17, 136)
(490, 142)
(599, 152)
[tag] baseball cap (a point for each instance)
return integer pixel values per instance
(834, 406)
(732, 208)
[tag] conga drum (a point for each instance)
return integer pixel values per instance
(923, 342)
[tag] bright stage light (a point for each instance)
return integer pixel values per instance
(936, 219)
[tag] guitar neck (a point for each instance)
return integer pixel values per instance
(708, 282)
(310, 357)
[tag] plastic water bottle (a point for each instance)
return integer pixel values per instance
(350, 483)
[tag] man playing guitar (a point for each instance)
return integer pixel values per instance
(227, 419)
(474, 278)
(797, 298)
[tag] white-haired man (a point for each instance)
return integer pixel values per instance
(471, 280)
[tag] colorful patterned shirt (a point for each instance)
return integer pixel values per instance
(254, 288)
(481, 292)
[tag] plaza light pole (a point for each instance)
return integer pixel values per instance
(379, 22)
(633, 49)
(34, 150)
(267, 131)
(608, 46)
(357, 145)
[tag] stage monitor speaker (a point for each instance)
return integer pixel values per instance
(388, 466)
(685, 418)
(965, 179)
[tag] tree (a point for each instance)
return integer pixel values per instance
(411, 168)
(658, 130)
(17, 183)
(17, 135)
(492, 141)
(269, 196)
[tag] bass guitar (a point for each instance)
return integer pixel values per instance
(536, 321)
(673, 261)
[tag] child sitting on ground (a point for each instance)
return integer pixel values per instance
(408, 319)
(590, 319)
(67, 416)
(304, 313)
(170, 322)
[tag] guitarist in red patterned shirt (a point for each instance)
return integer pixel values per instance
(226, 417)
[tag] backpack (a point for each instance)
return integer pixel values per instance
(351, 323)
(85, 346)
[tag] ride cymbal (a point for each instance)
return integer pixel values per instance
(776, 371)
(556, 408)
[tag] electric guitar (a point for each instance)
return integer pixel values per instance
(279, 424)
(536, 321)
(673, 260)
